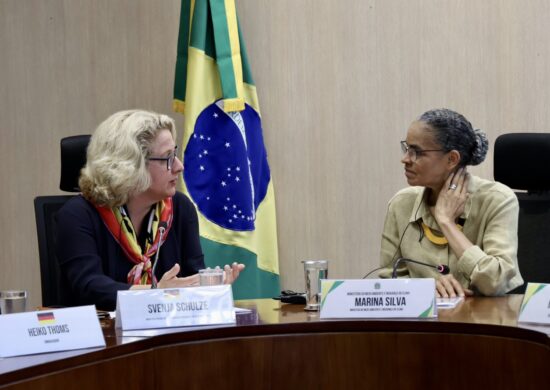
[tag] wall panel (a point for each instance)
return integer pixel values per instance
(338, 83)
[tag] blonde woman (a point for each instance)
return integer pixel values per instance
(109, 236)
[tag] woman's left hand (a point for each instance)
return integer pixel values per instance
(452, 198)
(231, 273)
(448, 287)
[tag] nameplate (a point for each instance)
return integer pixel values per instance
(50, 331)
(535, 307)
(167, 308)
(378, 298)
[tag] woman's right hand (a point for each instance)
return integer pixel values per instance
(170, 279)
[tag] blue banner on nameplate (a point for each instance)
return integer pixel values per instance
(167, 308)
(535, 307)
(378, 298)
(50, 331)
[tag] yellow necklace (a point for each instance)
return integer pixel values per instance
(438, 240)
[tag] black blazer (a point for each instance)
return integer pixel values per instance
(93, 265)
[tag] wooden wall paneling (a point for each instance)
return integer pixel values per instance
(338, 83)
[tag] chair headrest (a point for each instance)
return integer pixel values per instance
(522, 161)
(73, 159)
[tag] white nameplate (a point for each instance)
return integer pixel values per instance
(166, 308)
(50, 331)
(535, 307)
(378, 298)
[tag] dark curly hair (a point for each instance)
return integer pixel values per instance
(454, 132)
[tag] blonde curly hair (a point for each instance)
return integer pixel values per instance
(116, 162)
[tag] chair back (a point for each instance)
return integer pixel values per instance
(73, 158)
(521, 161)
(45, 208)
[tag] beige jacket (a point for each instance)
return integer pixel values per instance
(489, 267)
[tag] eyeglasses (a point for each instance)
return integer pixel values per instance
(169, 159)
(414, 153)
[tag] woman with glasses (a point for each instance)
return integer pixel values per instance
(130, 215)
(449, 217)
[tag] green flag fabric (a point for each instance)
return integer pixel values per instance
(226, 172)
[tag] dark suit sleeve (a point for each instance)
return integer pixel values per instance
(193, 258)
(79, 244)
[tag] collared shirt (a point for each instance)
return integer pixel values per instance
(489, 266)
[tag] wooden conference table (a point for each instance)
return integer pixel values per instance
(478, 344)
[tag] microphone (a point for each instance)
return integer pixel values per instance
(441, 268)
(162, 228)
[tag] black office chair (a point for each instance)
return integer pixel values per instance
(73, 158)
(522, 162)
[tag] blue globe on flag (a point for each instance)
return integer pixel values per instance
(225, 166)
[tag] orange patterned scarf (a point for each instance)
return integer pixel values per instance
(120, 226)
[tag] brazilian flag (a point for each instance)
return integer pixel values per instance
(226, 171)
